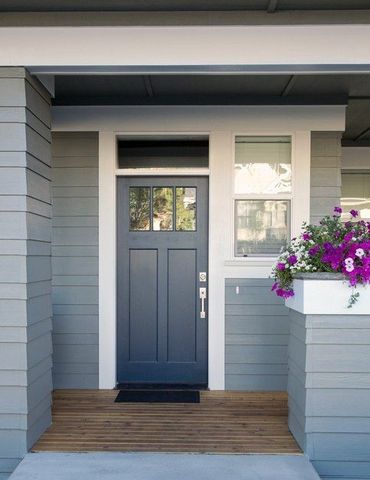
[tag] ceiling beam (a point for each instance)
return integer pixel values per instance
(148, 86)
(271, 6)
(362, 134)
(288, 87)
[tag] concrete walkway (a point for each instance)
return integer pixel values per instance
(157, 466)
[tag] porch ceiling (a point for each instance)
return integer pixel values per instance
(225, 90)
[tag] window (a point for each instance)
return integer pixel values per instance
(262, 194)
(157, 153)
(163, 209)
(356, 194)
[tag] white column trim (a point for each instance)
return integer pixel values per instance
(301, 181)
(107, 260)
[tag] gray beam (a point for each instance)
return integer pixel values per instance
(200, 100)
(201, 69)
(111, 19)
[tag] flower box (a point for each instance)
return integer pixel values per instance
(321, 251)
(326, 294)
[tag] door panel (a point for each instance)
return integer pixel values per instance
(143, 314)
(162, 246)
(182, 314)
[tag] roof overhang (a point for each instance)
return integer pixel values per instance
(252, 49)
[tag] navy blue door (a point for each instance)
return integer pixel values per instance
(162, 256)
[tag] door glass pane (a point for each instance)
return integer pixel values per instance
(186, 208)
(263, 165)
(262, 226)
(356, 194)
(162, 208)
(139, 208)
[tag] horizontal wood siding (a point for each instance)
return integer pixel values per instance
(257, 330)
(75, 260)
(25, 266)
(325, 173)
(329, 392)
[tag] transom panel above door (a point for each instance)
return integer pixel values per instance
(162, 273)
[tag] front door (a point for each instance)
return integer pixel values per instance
(162, 255)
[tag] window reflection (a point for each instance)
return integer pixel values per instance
(261, 226)
(186, 202)
(139, 205)
(263, 165)
(162, 208)
(356, 194)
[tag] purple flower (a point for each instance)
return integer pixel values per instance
(274, 286)
(292, 260)
(284, 293)
(338, 210)
(306, 236)
(354, 213)
(314, 250)
(280, 266)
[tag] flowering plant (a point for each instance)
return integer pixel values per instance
(331, 246)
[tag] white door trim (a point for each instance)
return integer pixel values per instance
(107, 260)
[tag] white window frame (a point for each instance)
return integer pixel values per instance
(277, 196)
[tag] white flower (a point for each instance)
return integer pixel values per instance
(349, 267)
(360, 252)
(348, 261)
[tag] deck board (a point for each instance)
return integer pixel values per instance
(223, 422)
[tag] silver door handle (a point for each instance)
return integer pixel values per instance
(202, 296)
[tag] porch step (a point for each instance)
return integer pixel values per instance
(158, 466)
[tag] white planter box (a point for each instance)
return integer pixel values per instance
(327, 297)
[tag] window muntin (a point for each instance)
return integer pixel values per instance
(262, 165)
(356, 194)
(262, 194)
(261, 226)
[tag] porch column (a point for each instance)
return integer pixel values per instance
(25, 265)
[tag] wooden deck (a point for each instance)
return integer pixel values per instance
(224, 422)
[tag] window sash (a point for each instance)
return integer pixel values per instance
(260, 253)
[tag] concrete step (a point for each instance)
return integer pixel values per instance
(158, 466)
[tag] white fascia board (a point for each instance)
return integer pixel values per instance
(186, 45)
(205, 118)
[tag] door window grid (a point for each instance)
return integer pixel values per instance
(163, 209)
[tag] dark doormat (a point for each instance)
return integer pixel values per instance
(158, 396)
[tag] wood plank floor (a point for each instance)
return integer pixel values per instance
(223, 422)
